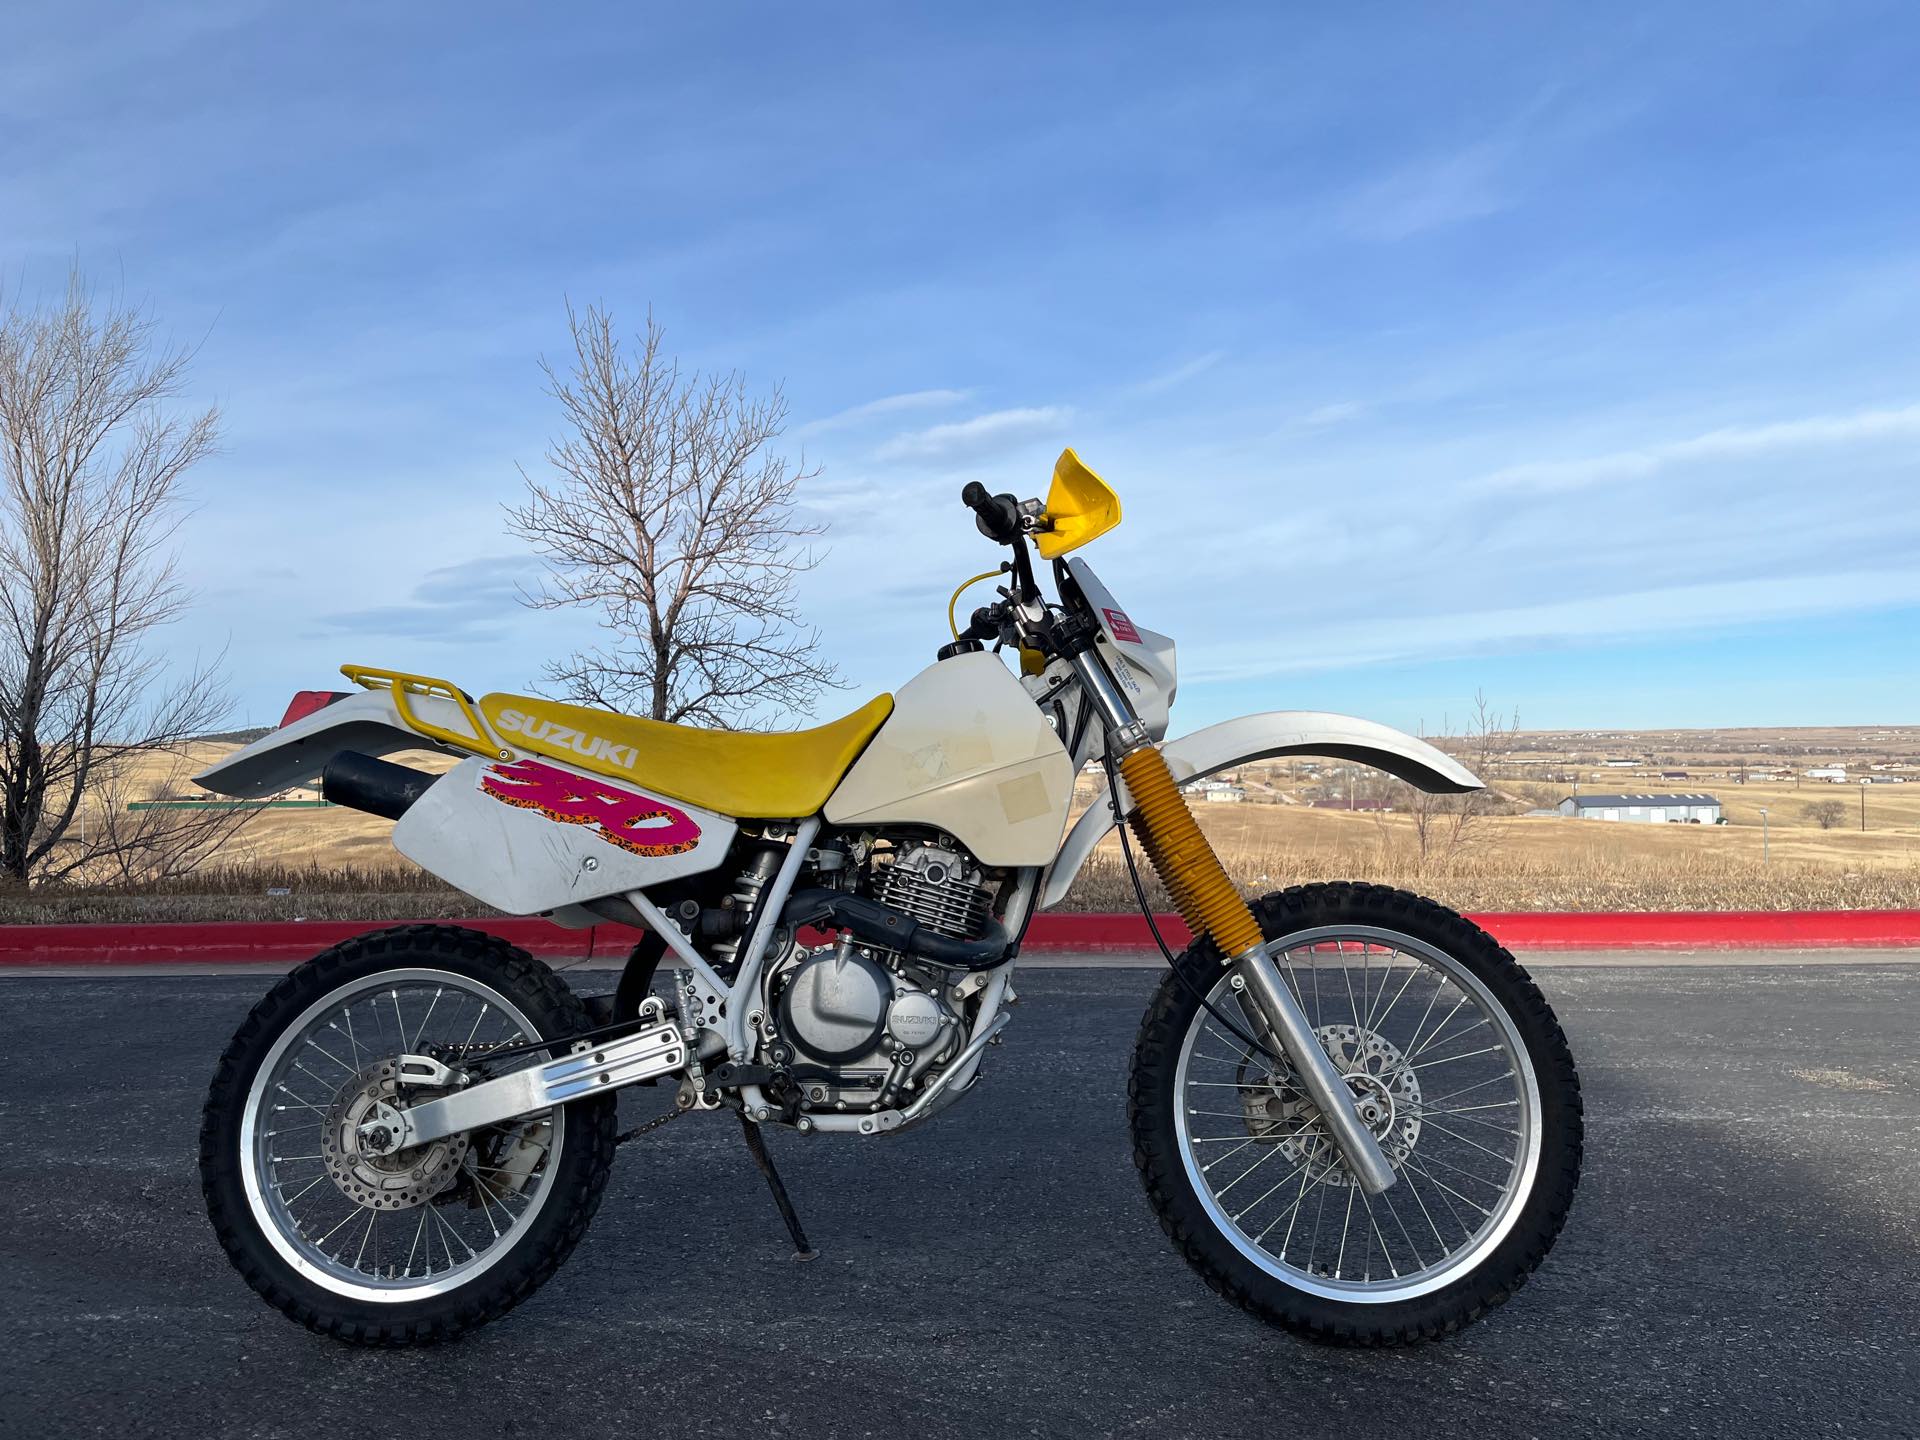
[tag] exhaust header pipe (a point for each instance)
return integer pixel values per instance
(378, 787)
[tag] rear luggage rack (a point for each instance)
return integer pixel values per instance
(403, 684)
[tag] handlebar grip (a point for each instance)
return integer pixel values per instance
(998, 516)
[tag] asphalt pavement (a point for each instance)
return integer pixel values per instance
(1743, 1259)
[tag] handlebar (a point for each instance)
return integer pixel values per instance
(998, 516)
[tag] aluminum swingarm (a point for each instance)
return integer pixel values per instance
(595, 1068)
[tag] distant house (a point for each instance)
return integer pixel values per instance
(1220, 792)
(1836, 773)
(1644, 809)
(1619, 764)
(1673, 774)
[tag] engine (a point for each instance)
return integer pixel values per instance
(858, 1025)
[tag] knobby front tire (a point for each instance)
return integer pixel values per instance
(491, 1215)
(1455, 1060)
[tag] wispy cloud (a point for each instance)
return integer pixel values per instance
(1728, 442)
(1430, 194)
(990, 434)
(885, 405)
(467, 603)
(1629, 614)
(1179, 374)
(1337, 412)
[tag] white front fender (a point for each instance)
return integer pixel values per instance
(1261, 737)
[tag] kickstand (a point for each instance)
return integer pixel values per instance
(757, 1147)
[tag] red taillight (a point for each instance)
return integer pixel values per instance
(305, 702)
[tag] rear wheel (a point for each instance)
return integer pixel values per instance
(424, 1243)
(1454, 1060)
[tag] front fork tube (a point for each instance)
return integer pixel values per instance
(1210, 903)
(1286, 1022)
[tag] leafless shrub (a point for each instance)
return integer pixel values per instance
(667, 513)
(91, 459)
(1448, 828)
(1827, 814)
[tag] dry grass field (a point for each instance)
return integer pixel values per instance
(1289, 827)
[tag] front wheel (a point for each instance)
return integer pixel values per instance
(1454, 1060)
(423, 1243)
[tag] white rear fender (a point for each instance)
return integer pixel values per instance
(1262, 737)
(295, 754)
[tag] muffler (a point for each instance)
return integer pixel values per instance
(378, 787)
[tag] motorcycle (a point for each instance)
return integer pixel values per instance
(1353, 1112)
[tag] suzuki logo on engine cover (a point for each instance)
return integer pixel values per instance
(563, 737)
(620, 817)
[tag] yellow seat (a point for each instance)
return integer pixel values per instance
(747, 775)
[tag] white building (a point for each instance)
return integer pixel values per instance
(1644, 809)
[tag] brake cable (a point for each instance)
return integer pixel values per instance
(952, 623)
(1153, 926)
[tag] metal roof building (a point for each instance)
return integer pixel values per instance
(1645, 809)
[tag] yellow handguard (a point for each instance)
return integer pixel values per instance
(1182, 857)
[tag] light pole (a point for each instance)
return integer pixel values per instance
(1763, 836)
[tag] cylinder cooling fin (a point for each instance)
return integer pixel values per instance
(941, 889)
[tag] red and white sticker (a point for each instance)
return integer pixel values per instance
(1120, 627)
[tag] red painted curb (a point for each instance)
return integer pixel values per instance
(249, 942)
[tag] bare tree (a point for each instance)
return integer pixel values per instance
(667, 512)
(1827, 814)
(91, 458)
(1447, 828)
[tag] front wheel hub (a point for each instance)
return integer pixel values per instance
(1386, 1093)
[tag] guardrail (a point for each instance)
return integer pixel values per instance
(245, 942)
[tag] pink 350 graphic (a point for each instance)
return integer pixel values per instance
(632, 821)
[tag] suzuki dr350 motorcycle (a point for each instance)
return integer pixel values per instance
(1353, 1112)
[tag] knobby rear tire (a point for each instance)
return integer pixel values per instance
(1153, 1097)
(578, 1178)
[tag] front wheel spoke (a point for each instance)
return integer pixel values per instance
(1435, 1038)
(1291, 1214)
(1221, 1193)
(1339, 1260)
(1419, 1261)
(1449, 1059)
(1499, 1185)
(1286, 1179)
(1249, 1140)
(1385, 1254)
(1451, 1191)
(1467, 1089)
(1468, 1140)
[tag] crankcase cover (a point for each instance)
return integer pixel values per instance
(835, 1007)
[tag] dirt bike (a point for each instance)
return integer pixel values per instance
(1352, 1110)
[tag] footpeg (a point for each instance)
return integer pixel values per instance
(607, 1066)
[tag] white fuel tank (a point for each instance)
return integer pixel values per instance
(967, 751)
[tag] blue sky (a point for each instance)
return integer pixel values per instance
(1565, 352)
